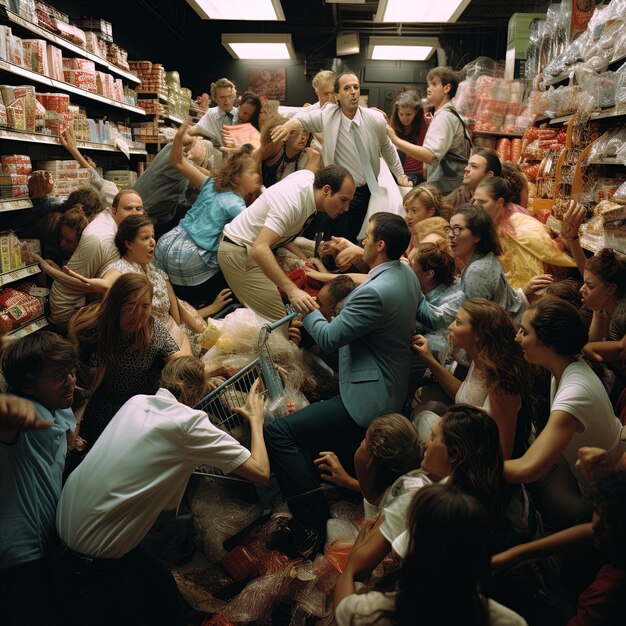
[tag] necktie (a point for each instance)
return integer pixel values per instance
(228, 119)
(366, 165)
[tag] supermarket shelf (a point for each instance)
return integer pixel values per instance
(15, 205)
(174, 119)
(606, 161)
(598, 115)
(19, 273)
(18, 135)
(13, 19)
(40, 322)
(16, 70)
(148, 94)
(482, 133)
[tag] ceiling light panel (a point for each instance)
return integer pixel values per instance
(251, 10)
(260, 46)
(420, 10)
(401, 48)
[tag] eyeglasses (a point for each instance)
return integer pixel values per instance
(456, 230)
(57, 379)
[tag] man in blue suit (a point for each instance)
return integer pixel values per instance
(371, 335)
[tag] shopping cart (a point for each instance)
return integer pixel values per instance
(220, 403)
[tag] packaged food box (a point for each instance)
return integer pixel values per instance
(38, 57)
(82, 79)
(71, 33)
(78, 64)
(5, 39)
(15, 52)
(55, 62)
(100, 26)
(17, 308)
(10, 254)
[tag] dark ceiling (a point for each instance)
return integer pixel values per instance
(170, 32)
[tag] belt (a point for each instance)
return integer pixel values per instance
(229, 240)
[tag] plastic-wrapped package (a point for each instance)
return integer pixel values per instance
(289, 401)
(197, 587)
(612, 143)
(258, 598)
(340, 537)
(218, 515)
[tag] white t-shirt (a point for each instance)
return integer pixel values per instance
(139, 466)
(377, 608)
(96, 249)
(397, 502)
(582, 395)
(284, 208)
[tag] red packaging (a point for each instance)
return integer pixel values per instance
(18, 308)
(241, 563)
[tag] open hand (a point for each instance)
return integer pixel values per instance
(252, 411)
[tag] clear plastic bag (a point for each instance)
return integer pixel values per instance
(218, 515)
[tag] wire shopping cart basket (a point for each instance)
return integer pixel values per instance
(220, 403)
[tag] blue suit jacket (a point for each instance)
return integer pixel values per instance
(372, 333)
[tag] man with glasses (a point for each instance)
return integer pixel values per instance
(41, 368)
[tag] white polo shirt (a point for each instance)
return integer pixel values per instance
(284, 208)
(139, 466)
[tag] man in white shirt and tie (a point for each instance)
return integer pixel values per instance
(224, 93)
(354, 137)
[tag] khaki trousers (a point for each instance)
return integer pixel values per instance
(251, 286)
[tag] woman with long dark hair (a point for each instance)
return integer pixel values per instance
(408, 122)
(122, 349)
(455, 564)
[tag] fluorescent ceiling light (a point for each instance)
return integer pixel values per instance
(258, 46)
(420, 10)
(266, 10)
(401, 48)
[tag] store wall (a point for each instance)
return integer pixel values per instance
(172, 34)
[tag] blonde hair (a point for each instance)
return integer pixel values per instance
(430, 226)
(323, 78)
(185, 379)
(222, 83)
(430, 196)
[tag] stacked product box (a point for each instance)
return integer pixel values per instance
(15, 170)
(20, 105)
(10, 252)
(67, 175)
(36, 56)
(152, 76)
(57, 116)
(81, 73)
(95, 45)
(122, 178)
(102, 28)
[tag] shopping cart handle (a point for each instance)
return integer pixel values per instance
(279, 323)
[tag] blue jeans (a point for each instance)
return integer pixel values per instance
(293, 442)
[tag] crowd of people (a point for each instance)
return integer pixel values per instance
(479, 357)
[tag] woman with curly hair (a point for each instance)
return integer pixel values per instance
(188, 253)
(476, 247)
(498, 379)
(408, 122)
(421, 203)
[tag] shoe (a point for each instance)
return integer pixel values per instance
(295, 540)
